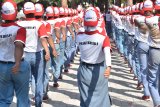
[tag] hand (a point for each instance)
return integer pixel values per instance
(72, 36)
(57, 40)
(107, 72)
(54, 52)
(15, 68)
(64, 38)
(47, 56)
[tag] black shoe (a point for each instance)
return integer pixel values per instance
(45, 97)
(135, 78)
(66, 71)
(139, 86)
(60, 77)
(56, 85)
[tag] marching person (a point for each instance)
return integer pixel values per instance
(154, 51)
(35, 44)
(38, 15)
(95, 64)
(143, 49)
(69, 38)
(52, 14)
(14, 72)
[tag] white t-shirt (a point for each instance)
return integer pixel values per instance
(55, 24)
(35, 30)
(154, 33)
(92, 46)
(141, 34)
(10, 33)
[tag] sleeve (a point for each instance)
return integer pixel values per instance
(62, 24)
(107, 50)
(75, 20)
(57, 25)
(69, 22)
(48, 28)
(21, 35)
(106, 42)
(107, 54)
(42, 31)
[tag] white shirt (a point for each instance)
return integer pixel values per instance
(154, 33)
(94, 47)
(55, 24)
(35, 30)
(10, 33)
(141, 35)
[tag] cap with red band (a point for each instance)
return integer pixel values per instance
(148, 5)
(90, 18)
(9, 10)
(39, 9)
(28, 8)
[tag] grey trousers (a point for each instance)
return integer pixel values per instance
(93, 86)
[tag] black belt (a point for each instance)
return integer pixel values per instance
(89, 64)
(154, 48)
(9, 62)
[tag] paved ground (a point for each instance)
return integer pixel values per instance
(121, 86)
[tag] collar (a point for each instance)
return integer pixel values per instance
(157, 14)
(28, 19)
(8, 24)
(40, 19)
(91, 32)
(51, 18)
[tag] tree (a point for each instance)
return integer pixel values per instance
(64, 3)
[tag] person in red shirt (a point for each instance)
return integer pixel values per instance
(15, 71)
(95, 63)
(36, 42)
(38, 15)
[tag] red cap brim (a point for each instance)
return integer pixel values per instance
(9, 17)
(91, 23)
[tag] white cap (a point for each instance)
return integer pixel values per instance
(61, 11)
(157, 5)
(29, 8)
(148, 5)
(39, 9)
(9, 10)
(90, 18)
(49, 11)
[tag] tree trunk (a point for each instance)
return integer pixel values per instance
(118, 3)
(107, 3)
(130, 2)
(64, 3)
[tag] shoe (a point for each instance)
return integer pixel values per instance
(45, 97)
(146, 98)
(135, 78)
(60, 77)
(56, 85)
(131, 70)
(66, 71)
(33, 98)
(69, 65)
(139, 86)
(72, 61)
(32, 101)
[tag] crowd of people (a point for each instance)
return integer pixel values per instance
(48, 39)
(137, 36)
(44, 40)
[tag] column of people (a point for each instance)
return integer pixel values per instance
(137, 36)
(49, 42)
